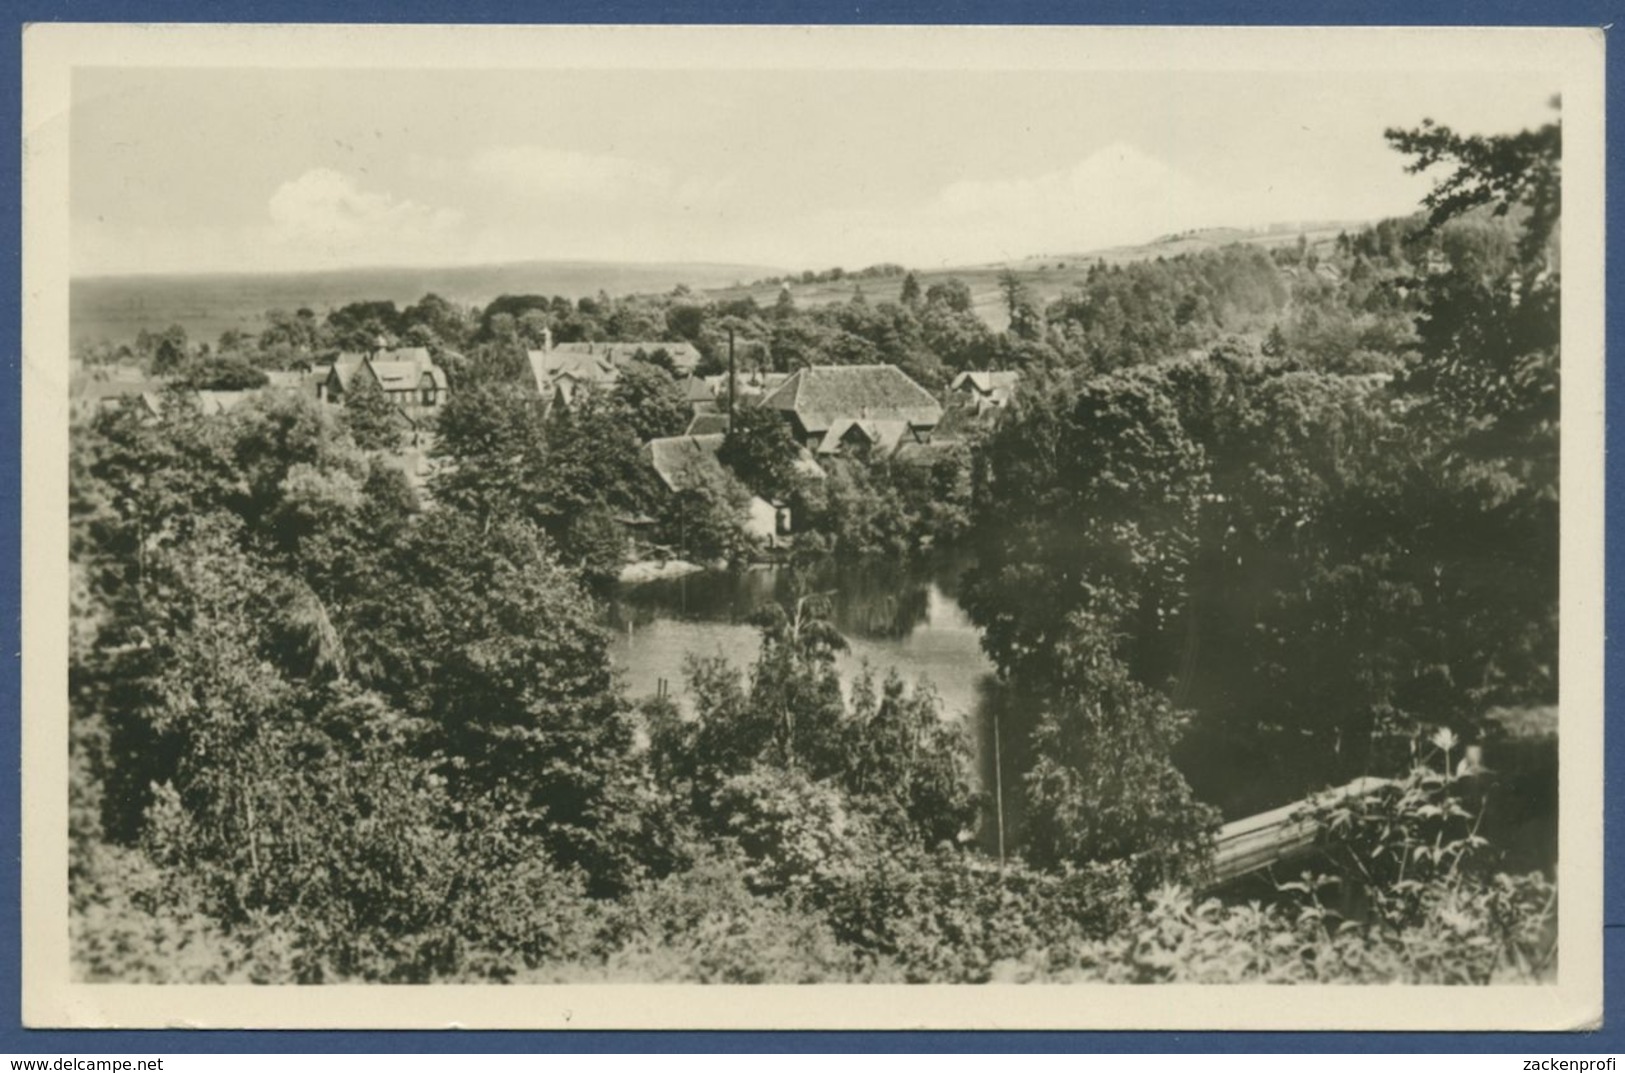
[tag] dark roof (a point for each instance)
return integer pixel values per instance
(820, 395)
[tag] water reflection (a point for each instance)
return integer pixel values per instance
(893, 618)
(910, 621)
(906, 620)
(876, 602)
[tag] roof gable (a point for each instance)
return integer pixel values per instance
(880, 437)
(707, 425)
(549, 366)
(987, 382)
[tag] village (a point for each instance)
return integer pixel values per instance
(1176, 607)
(874, 412)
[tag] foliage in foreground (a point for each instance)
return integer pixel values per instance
(320, 734)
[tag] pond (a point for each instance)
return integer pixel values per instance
(909, 619)
(891, 617)
(894, 617)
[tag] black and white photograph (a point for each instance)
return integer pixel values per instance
(613, 521)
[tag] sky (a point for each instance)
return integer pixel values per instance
(242, 169)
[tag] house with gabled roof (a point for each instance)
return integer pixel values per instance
(819, 398)
(408, 377)
(986, 389)
(690, 463)
(877, 439)
(683, 356)
(699, 394)
(89, 395)
(559, 375)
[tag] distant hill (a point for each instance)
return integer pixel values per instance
(1047, 275)
(116, 308)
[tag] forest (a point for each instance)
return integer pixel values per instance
(329, 726)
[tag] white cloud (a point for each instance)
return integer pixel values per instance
(330, 215)
(1116, 194)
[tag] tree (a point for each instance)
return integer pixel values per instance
(761, 451)
(654, 406)
(489, 637)
(1086, 490)
(1025, 319)
(168, 350)
(299, 332)
(1103, 785)
(446, 323)
(910, 295)
(362, 327)
(1495, 171)
(221, 373)
(784, 306)
(373, 420)
(954, 293)
(1088, 501)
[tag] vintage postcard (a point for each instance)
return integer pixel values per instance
(812, 527)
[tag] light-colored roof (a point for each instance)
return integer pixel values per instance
(685, 462)
(287, 379)
(882, 436)
(684, 356)
(88, 395)
(396, 375)
(988, 382)
(404, 369)
(549, 366)
(220, 402)
(707, 425)
(917, 453)
(806, 465)
(820, 395)
(345, 366)
(698, 389)
(88, 390)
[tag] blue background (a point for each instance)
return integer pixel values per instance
(14, 1038)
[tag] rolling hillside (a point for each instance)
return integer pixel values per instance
(1048, 275)
(116, 308)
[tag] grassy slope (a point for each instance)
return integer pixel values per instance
(1049, 276)
(117, 308)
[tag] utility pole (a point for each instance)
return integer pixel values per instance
(732, 379)
(998, 783)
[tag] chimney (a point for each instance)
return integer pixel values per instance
(547, 338)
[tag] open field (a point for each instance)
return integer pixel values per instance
(116, 308)
(1048, 275)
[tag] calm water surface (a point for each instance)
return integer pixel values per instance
(892, 618)
(910, 620)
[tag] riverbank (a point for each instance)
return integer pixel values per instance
(647, 570)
